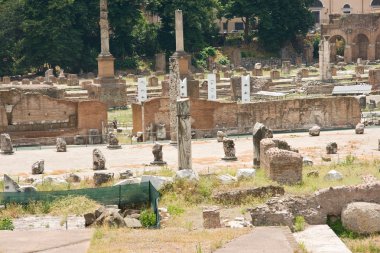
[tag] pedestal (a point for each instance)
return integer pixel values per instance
(106, 66)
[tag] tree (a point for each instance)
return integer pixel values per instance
(281, 21)
(246, 9)
(198, 19)
(11, 36)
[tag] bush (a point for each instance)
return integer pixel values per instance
(148, 218)
(175, 210)
(6, 224)
(224, 61)
(299, 224)
(337, 226)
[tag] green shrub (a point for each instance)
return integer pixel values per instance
(299, 224)
(224, 61)
(337, 226)
(148, 218)
(6, 224)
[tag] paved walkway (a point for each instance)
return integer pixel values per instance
(262, 240)
(206, 154)
(72, 241)
(321, 239)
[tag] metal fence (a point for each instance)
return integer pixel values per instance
(132, 195)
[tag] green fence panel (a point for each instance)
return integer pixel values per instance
(132, 194)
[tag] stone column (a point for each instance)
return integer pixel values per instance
(348, 53)
(184, 134)
(105, 59)
(324, 58)
(174, 83)
(179, 31)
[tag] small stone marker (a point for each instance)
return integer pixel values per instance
(6, 144)
(157, 153)
(229, 150)
(211, 218)
(113, 142)
(38, 167)
(332, 148)
(61, 145)
(99, 161)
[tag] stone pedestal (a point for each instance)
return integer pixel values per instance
(274, 74)
(106, 66)
(229, 150)
(285, 67)
(193, 89)
(374, 78)
(211, 218)
(184, 134)
(257, 72)
(157, 153)
(165, 88)
(359, 69)
(235, 82)
(160, 63)
(110, 91)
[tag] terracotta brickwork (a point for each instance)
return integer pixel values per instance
(294, 114)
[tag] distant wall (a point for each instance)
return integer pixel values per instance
(297, 114)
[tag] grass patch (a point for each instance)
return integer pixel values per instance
(366, 245)
(299, 224)
(6, 223)
(175, 210)
(123, 116)
(1, 185)
(162, 172)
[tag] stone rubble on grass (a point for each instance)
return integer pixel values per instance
(126, 174)
(101, 178)
(333, 175)
(73, 178)
(11, 186)
(332, 148)
(227, 179)
(362, 217)
(313, 173)
(307, 161)
(49, 180)
(99, 161)
(189, 175)
(238, 222)
(245, 173)
(134, 180)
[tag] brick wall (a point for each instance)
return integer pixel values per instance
(329, 112)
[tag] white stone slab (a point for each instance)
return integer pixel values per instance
(211, 80)
(141, 89)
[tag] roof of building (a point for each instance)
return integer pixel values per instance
(352, 89)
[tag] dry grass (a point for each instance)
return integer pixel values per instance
(367, 245)
(164, 240)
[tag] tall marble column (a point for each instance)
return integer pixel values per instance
(174, 83)
(184, 134)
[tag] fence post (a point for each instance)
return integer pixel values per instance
(119, 196)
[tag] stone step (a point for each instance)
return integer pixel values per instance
(321, 239)
(263, 240)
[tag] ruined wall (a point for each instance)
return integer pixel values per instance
(91, 115)
(42, 109)
(294, 114)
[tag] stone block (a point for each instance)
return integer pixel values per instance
(211, 218)
(274, 74)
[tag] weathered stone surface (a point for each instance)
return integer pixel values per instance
(186, 175)
(220, 135)
(313, 173)
(79, 140)
(161, 132)
(113, 142)
(184, 134)
(11, 186)
(38, 167)
(156, 181)
(157, 153)
(94, 137)
(359, 129)
(110, 218)
(6, 144)
(307, 161)
(333, 175)
(332, 148)
(227, 179)
(61, 145)
(101, 178)
(126, 174)
(99, 161)
(314, 131)
(134, 180)
(132, 222)
(73, 178)
(260, 131)
(89, 218)
(362, 217)
(284, 166)
(211, 218)
(229, 150)
(237, 196)
(245, 173)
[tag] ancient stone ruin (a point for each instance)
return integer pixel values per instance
(99, 161)
(220, 135)
(101, 178)
(61, 145)
(6, 144)
(260, 131)
(280, 162)
(38, 167)
(211, 218)
(332, 148)
(314, 131)
(359, 129)
(229, 150)
(11, 186)
(113, 142)
(157, 153)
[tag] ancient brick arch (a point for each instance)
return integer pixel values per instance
(334, 44)
(361, 33)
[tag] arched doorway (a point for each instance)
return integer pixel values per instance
(361, 47)
(337, 45)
